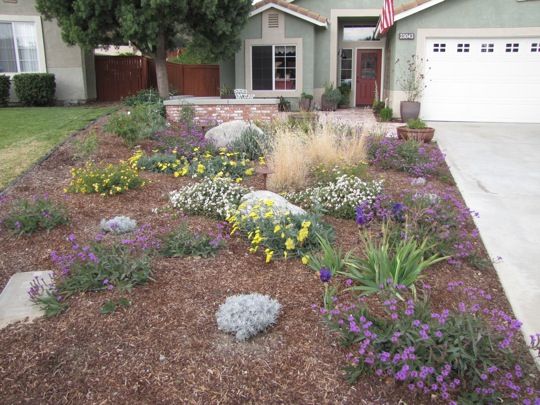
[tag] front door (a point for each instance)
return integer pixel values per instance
(368, 75)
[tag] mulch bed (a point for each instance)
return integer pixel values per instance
(165, 347)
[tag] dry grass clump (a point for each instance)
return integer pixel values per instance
(295, 152)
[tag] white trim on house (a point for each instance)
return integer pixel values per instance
(410, 12)
(40, 43)
(334, 34)
(288, 11)
(298, 43)
(417, 9)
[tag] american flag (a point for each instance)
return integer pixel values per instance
(387, 17)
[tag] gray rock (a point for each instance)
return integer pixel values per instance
(118, 225)
(280, 207)
(246, 315)
(419, 181)
(226, 133)
(15, 304)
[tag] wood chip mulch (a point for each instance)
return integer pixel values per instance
(165, 348)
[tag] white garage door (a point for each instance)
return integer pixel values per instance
(482, 79)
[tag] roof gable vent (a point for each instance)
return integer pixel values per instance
(273, 20)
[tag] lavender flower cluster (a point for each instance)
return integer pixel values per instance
(415, 158)
(181, 138)
(462, 354)
(439, 217)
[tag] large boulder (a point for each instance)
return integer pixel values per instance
(280, 205)
(225, 134)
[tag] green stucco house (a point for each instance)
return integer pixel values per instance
(481, 58)
(29, 44)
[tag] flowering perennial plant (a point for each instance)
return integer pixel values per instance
(96, 267)
(438, 217)
(183, 242)
(39, 213)
(281, 234)
(339, 198)
(216, 198)
(201, 164)
(412, 157)
(458, 355)
(107, 180)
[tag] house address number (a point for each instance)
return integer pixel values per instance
(406, 35)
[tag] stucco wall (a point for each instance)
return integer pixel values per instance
(68, 63)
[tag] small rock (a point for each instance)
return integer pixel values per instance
(162, 358)
(419, 181)
(226, 133)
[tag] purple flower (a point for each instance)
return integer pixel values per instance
(325, 274)
(361, 218)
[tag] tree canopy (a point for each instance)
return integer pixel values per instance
(153, 26)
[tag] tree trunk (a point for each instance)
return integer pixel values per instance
(160, 59)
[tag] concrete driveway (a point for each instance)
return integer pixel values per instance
(497, 169)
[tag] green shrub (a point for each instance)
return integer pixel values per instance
(284, 104)
(378, 106)
(250, 144)
(145, 96)
(85, 147)
(5, 84)
(416, 124)
(331, 97)
(140, 123)
(108, 180)
(183, 242)
(386, 114)
(329, 257)
(324, 175)
(35, 89)
(158, 163)
(345, 90)
(29, 216)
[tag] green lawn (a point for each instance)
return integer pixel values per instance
(28, 133)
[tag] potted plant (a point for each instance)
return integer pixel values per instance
(305, 102)
(226, 92)
(412, 83)
(345, 90)
(417, 130)
(331, 98)
(284, 105)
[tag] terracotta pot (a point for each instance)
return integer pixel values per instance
(409, 110)
(420, 135)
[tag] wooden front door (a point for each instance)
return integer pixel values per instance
(368, 75)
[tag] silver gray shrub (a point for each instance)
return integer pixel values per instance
(118, 225)
(247, 315)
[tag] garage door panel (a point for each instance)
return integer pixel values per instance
(496, 86)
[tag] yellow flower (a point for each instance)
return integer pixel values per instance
(302, 234)
(305, 260)
(269, 254)
(289, 244)
(200, 168)
(277, 228)
(249, 172)
(268, 214)
(239, 180)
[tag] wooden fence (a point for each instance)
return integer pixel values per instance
(121, 76)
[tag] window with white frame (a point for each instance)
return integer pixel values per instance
(18, 47)
(273, 67)
(346, 66)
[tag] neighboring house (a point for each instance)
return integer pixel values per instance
(481, 57)
(29, 44)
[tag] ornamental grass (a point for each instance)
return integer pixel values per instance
(295, 154)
